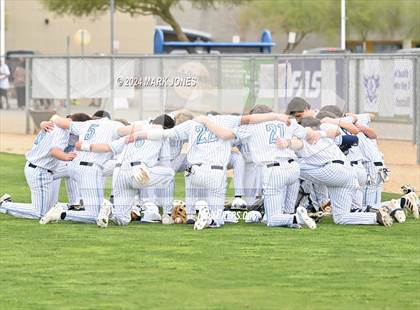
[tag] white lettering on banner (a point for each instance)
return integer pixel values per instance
(306, 84)
(313, 79)
(403, 86)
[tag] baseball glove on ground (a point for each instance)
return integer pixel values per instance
(179, 213)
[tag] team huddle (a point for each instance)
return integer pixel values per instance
(288, 169)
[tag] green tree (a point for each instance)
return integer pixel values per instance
(367, 17)
(411, 11)
(364, 17)
(161, 8)
(303, 17)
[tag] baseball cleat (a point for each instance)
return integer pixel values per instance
(295, 226)
(411, 203)
(303, 218)
(150, 213)
(53, 215)
(167, 219)
(396, 211)
(383, 218)
(407, 189)
(238, 204)
(191, 219)
(203, 217)
(5, 198)
(214, 224)
(252, 217)
(103, 217)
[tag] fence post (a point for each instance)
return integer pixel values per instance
(346, 81)
(252, 82)
(357, 86)
(161, 87)
(219, 83)
(276, 105)
(140, 89)
(416, 103)
(112, 95)
(27, 94)
(68, 103)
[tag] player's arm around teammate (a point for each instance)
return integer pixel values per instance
(42, 160)
(324, 163)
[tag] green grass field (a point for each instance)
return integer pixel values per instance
(151, 266)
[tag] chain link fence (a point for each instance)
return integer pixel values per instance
(138, 87)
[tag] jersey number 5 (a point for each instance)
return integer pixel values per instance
(90, 132)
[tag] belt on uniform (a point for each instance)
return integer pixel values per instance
(378, 164)
(211, 167)
(86, 163)
(35, 166)
(278, 164)
(353, 163)
(132, 164)
(337, 161)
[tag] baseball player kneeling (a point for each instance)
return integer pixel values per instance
(136, 168)
(323, 162)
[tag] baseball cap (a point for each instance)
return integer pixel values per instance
(297, 104)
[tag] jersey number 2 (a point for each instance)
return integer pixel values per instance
(204, 135)
(273, 129)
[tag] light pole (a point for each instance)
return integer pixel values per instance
(343, 24)
(112, 30)
(2, 30)
(112, 34)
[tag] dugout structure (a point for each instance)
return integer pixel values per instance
(162, 46)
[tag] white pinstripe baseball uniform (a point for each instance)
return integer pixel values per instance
(62, 171)
(355, 157)
(373, 162)
(278, 167)
(144, 154)
(323, 162)
(178, 164)
(237, 164)
(252, 175)
(39, 170)
(208, 156)
(89, 166)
